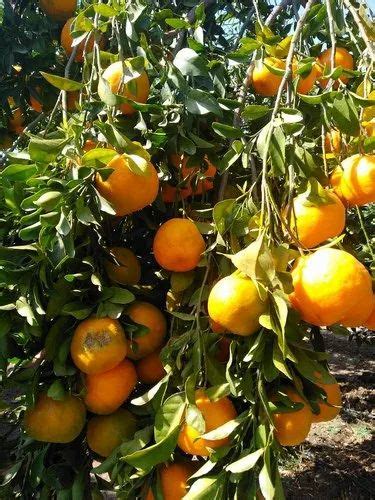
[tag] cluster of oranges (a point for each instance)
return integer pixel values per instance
(266, 83)
(330, 287)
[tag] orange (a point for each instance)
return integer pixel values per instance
(129, 270)
(305, 83)
(369, 128)
(35, 103)
(333, 142)
(342, 58)
(292, 428)
(55, 421)
(327, 412)
(67, 40)
(150, 369)
(72, 98)
(16, 122)
(106, 392)
(235, 304)
(127, 191)
(170, 194)
(195, 186)
(6, 142)
(173, 480)
(178, 245)
(88, 145)
(217, 327)
(331, 286)
(58, 10)
(98, 345)
(370, 321)
(150, 316)
(215, 414)
(355, 181)
(314, 224)
(223, 350)
(107, 432)
(264, 82)
(136, 90)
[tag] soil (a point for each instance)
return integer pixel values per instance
(338, 459)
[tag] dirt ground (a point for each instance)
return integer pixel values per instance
(338, 460)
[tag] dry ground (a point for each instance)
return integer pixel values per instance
(338, 460)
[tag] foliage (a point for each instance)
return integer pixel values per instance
(57, 230)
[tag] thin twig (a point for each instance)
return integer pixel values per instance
(66, 74)
(286, 77)
(243, 93)
(362, 29)
(276, 11)
(331, 26)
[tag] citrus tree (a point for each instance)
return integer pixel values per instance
(186, 201)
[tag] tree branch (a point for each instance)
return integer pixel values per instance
(276, 11)
(362, 29)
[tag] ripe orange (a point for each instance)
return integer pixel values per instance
(16, 122)
(306, 83)
(370, 321)
(235, 304)
(333, 142)
(127, 191)
(58, 10)
(136, 90)
(223, 350)
(173, 480)
(89, 145)
(264, 82)
(327, 412)
(150, 369)
(369, 128)
(6, 142)
(106, 392)
(105, 433)
(72, 98)
(215, 414)
(129, 270)
(98, 345)
(195, 186)
(35, 103)
(178, 245)
(292, 428)
(150, 316)
(86, 45)
(342, 58)
(314, 224)
(55, 421)
(170, 194)
(331, 286)
(355, 181)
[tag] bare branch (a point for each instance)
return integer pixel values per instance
(276, 11)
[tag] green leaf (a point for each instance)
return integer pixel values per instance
(46, 150)
(182, 281)
(167, 427)
(16, 172)
(256, 261)
(56, 391)
(246, 462)
(265, 480)
(61, 82)
(101, 155)
(104, 10)
(227, 131)
(190, 63)
(177, 23)
(138, 165)
(199, 102)
(344, 115)
(206, 488)
(77, 310)
(255, 111)
(224, 430)
(223, 215)
(49, 200)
